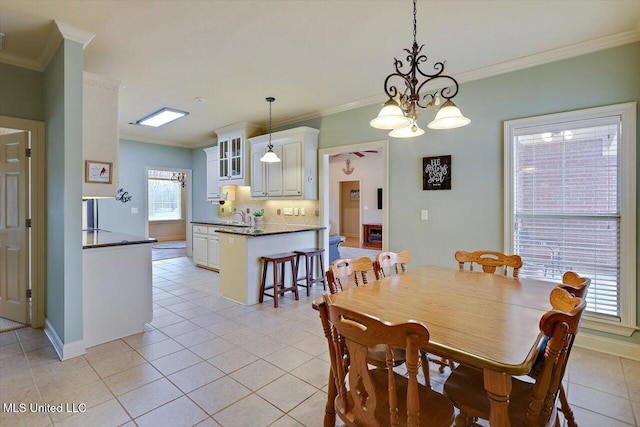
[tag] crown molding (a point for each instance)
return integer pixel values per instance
(542, 58)
(137, 138)
(20, 61)
(102, 82)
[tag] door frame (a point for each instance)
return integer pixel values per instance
(323, 177)
(189, 188)
(38, 234)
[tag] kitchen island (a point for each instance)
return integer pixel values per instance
(116, 285)
(242, 247)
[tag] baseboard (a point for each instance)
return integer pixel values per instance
(608, 346)
(65, 351)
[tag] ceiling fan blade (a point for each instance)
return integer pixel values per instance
(358, 154)
(370, 151)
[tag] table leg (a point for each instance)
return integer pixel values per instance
(498, 387)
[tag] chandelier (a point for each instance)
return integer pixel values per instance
(270, 156)
(180, 178)
(399, 113)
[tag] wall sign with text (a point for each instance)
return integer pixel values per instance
(436, 173)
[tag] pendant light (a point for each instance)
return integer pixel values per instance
(403, 89)
(270, 156)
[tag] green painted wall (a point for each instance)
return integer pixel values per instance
(202, 209)
(134, 157)
(21, 92)
(470, 216)
(62, 94)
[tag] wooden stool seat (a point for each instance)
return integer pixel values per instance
(279, 287)
(310, 255)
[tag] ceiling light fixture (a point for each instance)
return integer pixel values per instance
(180, 178)
(400, 111)
(161, 117)
(270, 156)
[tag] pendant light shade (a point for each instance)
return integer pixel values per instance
(408, 131)
(270, 156)
(448, 117)
(390, 117)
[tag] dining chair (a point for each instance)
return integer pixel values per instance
(347, 272)
(489, 261)
(379, 396)
(577, 287)
(530, 404)
(387, 263)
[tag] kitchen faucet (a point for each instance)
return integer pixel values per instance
(242, 215)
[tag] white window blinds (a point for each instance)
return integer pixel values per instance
(566, 205)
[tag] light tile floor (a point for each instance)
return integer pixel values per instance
(207, 361)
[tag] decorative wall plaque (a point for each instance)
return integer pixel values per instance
(436, 173)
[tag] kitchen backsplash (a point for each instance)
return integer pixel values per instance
(271, 207)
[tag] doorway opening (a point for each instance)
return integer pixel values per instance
(372, 178)
(349, 213)
(168, 211)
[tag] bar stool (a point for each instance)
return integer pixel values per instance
(310, 255)
(279, 287)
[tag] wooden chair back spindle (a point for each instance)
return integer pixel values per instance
(347, 272)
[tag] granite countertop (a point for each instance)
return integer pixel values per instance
(220, 223)
(270, 229)
(96, 238)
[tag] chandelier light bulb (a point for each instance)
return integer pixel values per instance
(410, 131)
(448, 117)
(390, 117)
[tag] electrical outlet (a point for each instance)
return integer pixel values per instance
(278, 212)
(365, 208)
(222, 210)
(134, 210)
(248, 210)
(296, 211)
(302, 212)
(317, 212)
(424, 214)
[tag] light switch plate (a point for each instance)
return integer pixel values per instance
(288, 211)
(296, 211)
(302, 212)
(424, 214)
(134, 210)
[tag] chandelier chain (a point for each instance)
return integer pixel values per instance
(415, 21)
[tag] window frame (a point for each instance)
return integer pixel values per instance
(161, 221)
(627, 146)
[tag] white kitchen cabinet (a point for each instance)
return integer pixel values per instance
(213, 251)
(214, 191)
(295, 176)
(266, 178)
(200, 245)
(206, 246)
(232, 153)
(100, 139)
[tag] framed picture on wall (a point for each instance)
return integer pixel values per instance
(97, 172)
(436, 173)
(354, 195)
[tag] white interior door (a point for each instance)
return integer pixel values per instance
(14, 242)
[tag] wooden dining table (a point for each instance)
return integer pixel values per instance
(488, 321)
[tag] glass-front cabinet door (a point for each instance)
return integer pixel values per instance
(223, 149)
(236, 157)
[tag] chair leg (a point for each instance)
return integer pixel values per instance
(276, 287)
(566, 409)
(424, 361)
(294, 278)
(309, 266)
(264, 279)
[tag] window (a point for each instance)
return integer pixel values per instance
(165, 196)
(570, 205)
